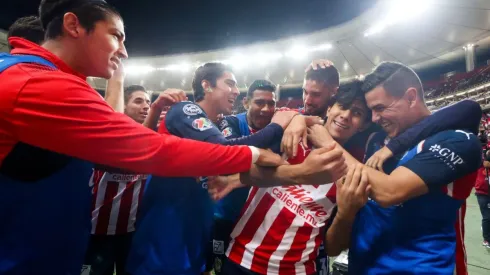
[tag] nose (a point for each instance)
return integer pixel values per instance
(235, 91)
(345, 115)
(122, 52)
(307, 100)
(266, 109)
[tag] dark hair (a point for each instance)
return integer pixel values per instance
(28, 27)
(210, 72)
(260, 84)
(395, 78)
(348, 93)
(329, 76)
(89, 12)
(128, 91)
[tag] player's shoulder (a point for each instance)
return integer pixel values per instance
(455, 136)
(187, 108)
(59, 84)
(461, 142)
(228, 121)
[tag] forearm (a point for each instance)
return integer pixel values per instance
(382, 187)
(338, 235)
(283, 175)
(262, 139)
(464, 115)
(151, 120)
(114, 95)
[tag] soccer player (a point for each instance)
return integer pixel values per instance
(116, 196)
(29, 28)
(409, 225)
(260, 105)
(181, 246)
(54, 126)
(280, 228)
(349, 200)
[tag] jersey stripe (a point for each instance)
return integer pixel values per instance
(105, 210)
(252, 226)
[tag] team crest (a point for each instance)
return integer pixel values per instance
(223, 124)
(218, 247)
(226, 132)
(191, 110)
(202, 124)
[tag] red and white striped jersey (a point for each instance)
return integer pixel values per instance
(115, 199)
(281, 228)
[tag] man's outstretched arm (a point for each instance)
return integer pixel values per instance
(322, 166)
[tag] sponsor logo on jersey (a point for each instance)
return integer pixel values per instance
(450, 158)
(203, 181)
(192, 110)
(202, 124)
(130, 178)
(227, 132)
(223, 124)
(218, 247)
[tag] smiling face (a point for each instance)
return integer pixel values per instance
(391, 113)
(102, 48)
(224, 94)
(138, 106)
(345, 121)
(260, 108)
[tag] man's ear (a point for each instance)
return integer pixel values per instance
(245, 103)
(412, 96)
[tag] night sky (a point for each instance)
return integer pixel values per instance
(158, 27)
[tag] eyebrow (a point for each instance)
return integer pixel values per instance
(119, 33)
(230, 81)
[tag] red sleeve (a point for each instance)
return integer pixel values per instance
(65, 115)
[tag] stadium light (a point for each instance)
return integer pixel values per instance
(238, 61)
(138, 70)
(182, 67)
(265, 58)
(399, 11)
(297, 52)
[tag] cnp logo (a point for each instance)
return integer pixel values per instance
(449, 156)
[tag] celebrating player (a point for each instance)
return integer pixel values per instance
(54, 125)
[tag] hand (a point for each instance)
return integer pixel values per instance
(269, 158)
(352, 192)
(319, 63)
(119, 74)
(162, 116)
(377, 160)
(220, 186)
(312, 120)
(294, 133)
(319, 136)
(169, 97)
(486, 164)
(323, 165)
(283, 118)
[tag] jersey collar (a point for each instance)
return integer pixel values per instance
(23, 46)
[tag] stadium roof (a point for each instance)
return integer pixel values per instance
(417, 32)
(420, 33)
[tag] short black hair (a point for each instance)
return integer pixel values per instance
(329, 76)
(395, 78)
(260, 84)
(29, 28)
(89, 12)
(348, 93)
(128, 91)
(210, 72)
